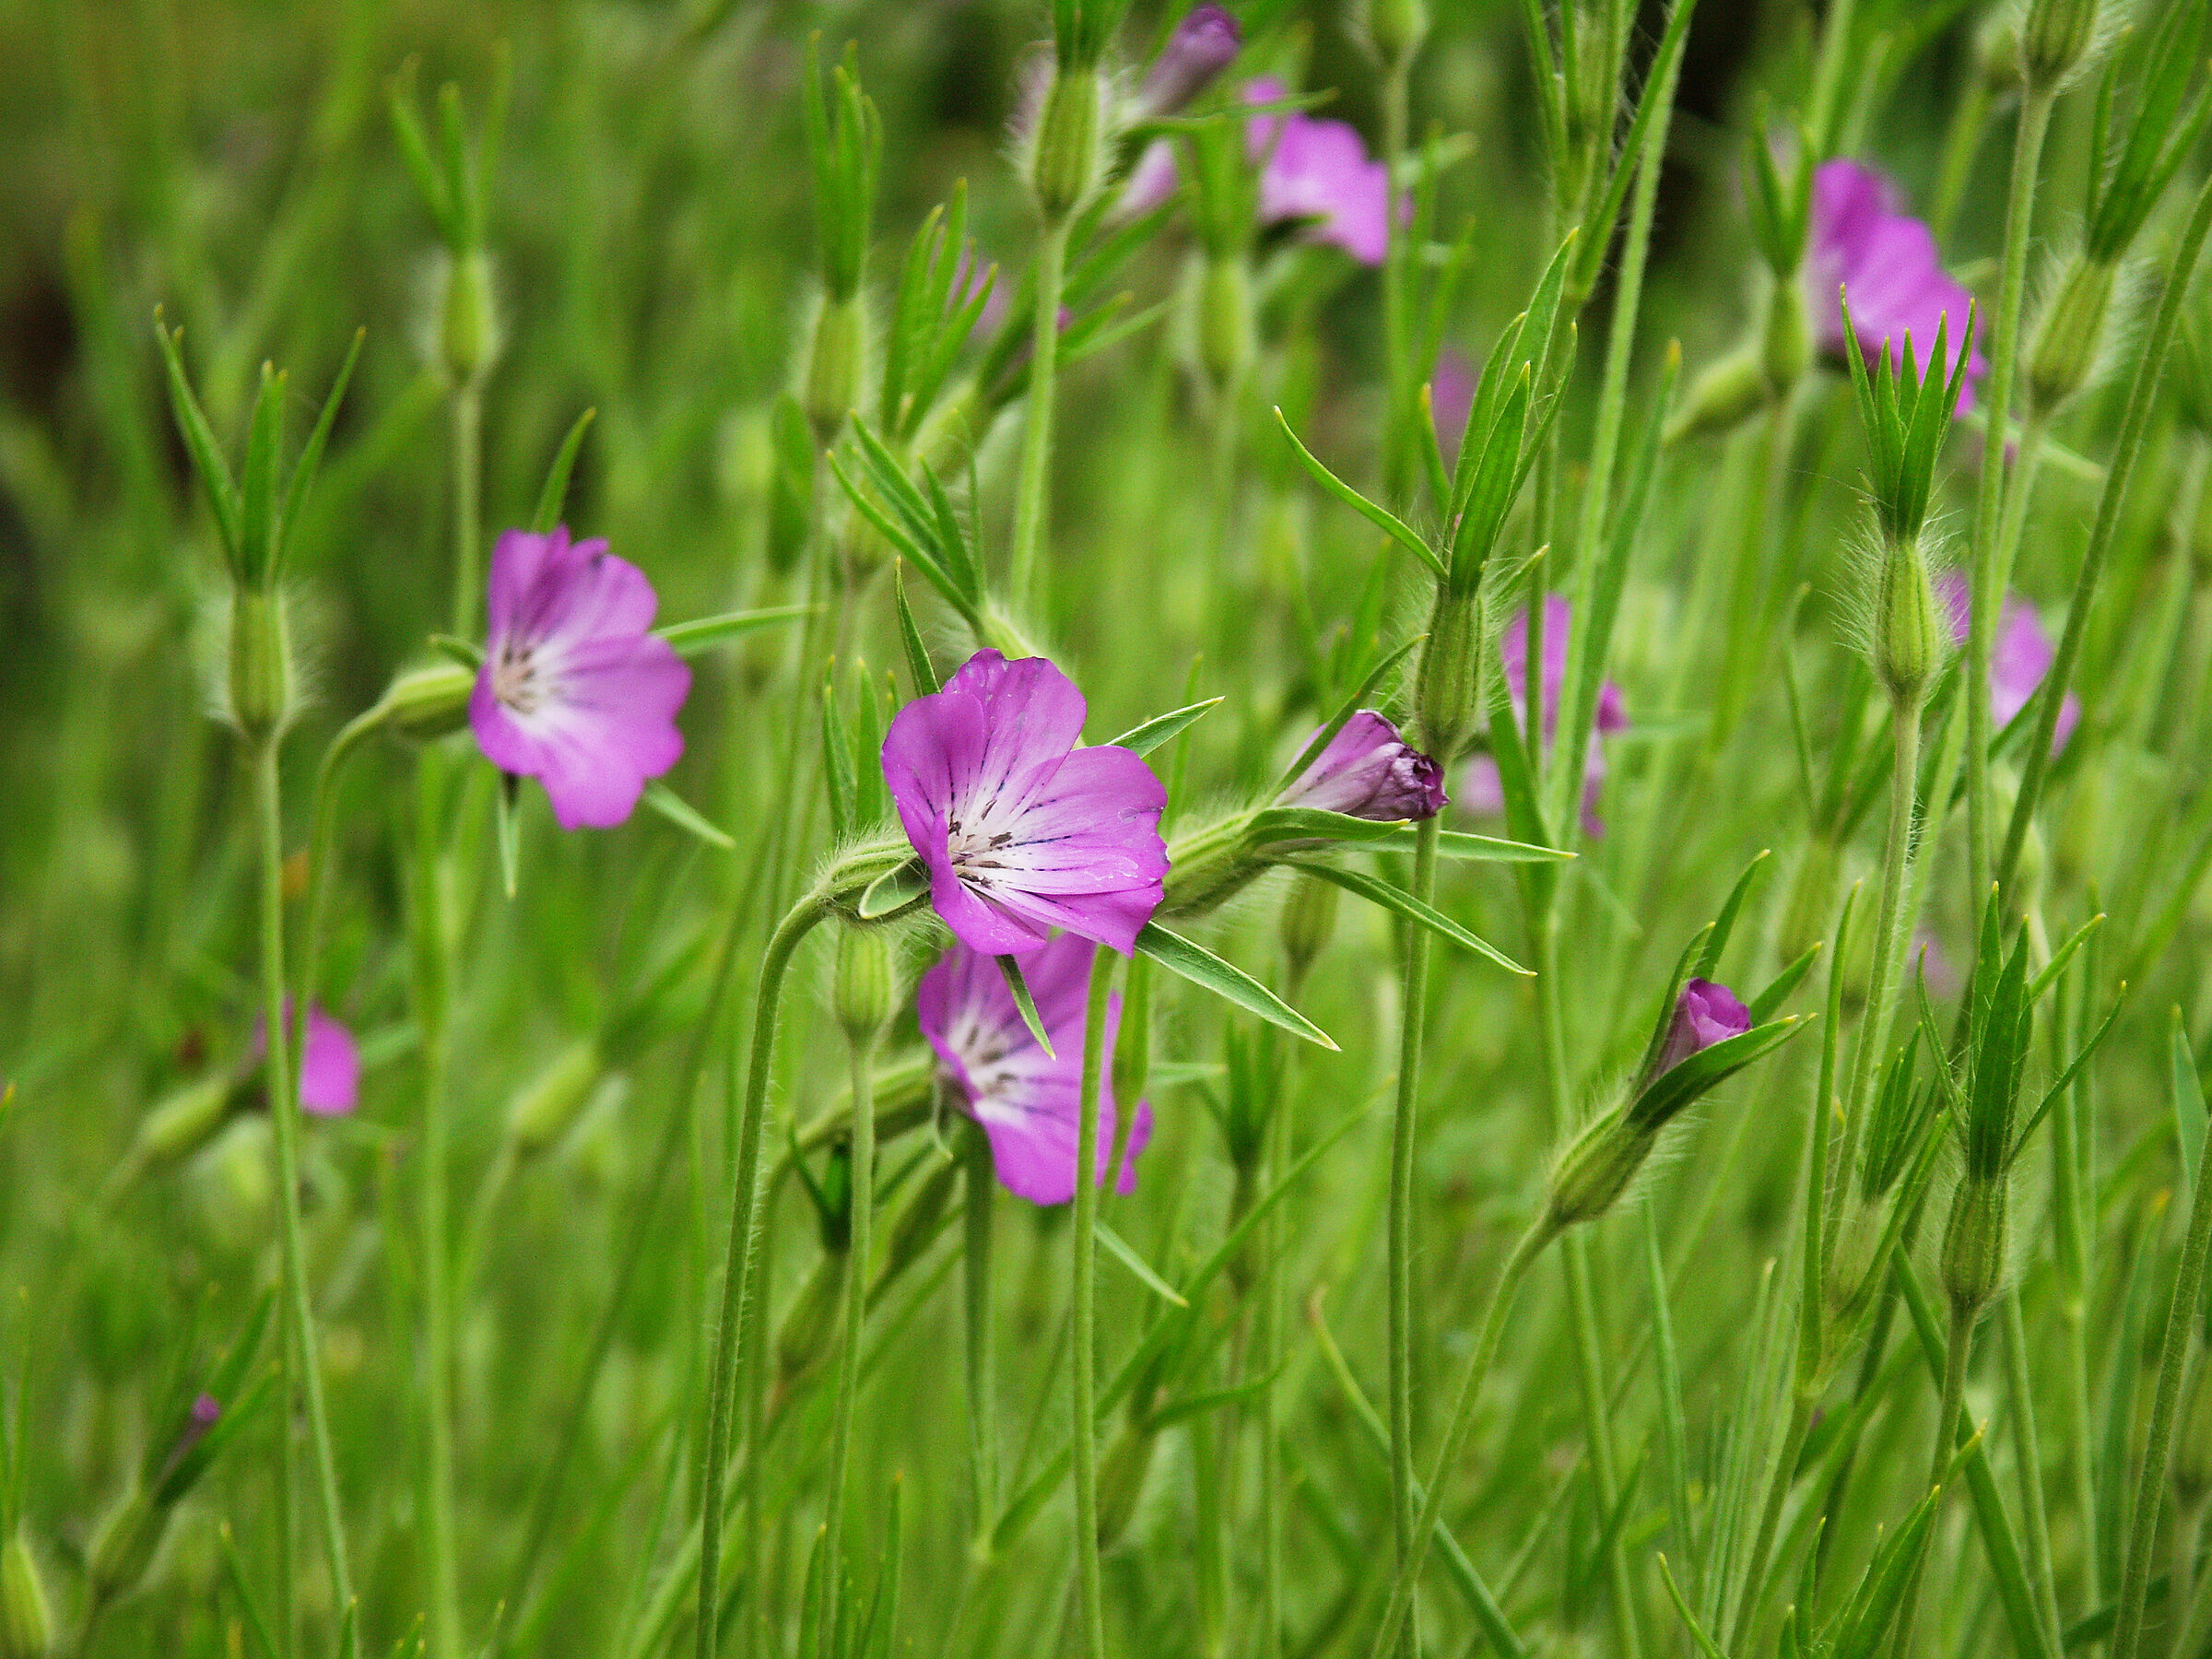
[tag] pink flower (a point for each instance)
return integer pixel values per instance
(1204, 44)
(1451, 395)
(330, 1072)
(1885, 263)
(1026, 1101)
(575, 691)
(2022, 656)
(1480, 789)
(1705, 1013)
(1022, 832)
(1318, 170)
(1368, 772)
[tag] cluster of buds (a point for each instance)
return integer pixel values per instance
(844, 147)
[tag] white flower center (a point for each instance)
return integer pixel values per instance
(515, 680)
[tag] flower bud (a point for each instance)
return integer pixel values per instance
(836, 365)
(1997, 52)
(26, 1616)
(1396, 27)
(917, 1224)
(1064, 161)
(260, 667)
(1706, 1012)
(544, 1108)
(1308, 922)
(1849, 1283)
(1724, 396)
(2069, 336)
(1910, 630)
(182, 1122)
(1787, 351)
(1121, 1481)
(429, 702)
(468, 331)
(2055, 37)
(809, 1329)
(1596, 1168)
(866, 991)
(1974, 1242)
(1204, 44)
(1447, 691)
(1224, 319)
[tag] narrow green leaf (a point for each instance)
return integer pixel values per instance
(895, 891)
(1381, 517)
(684, 815)
(1716, 940)
(199, 441)
(702, 634)
(555, 494)
(1709, 1068)
(1342, 717)
(1460, 847)
(1706, 1646)
(1143, 739)
(234, 1570)
(920, 670)
(1398, 899)
(311, 456)
(922, 559)
(1272, 825)
(467, 652)
(1210, 972)
(1124, 1253)
(2188, 1105)
(1762, 1006)
(837, 762)
(1011, 969)
(2060, 957)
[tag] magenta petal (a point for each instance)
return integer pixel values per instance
(1368, 770)
(330, 1075)
(1888, 265)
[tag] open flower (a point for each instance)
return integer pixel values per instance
(1318, 171)
(1886, 263)
(1706, 1012)
(1026, 1101)
(2022, 656)
(1480, 788)
(330, 1071)
(1022, 832)
(1368, 772)
(575, 690)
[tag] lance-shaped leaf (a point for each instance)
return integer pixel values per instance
(702, 634)
(1210, 972)
(206, 454)
(310, 455)
(919, 668)
(1398, 901)
(1143, 739)
(555, 495)
(685, 816)
(1345, 710)
(1459, 846)
(1724, 925)
(1381, 518)
(1124, 1253)
(1009, 968)
(895, 891)
(1272, 826)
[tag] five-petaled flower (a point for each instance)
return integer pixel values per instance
(2022, 657)
(1368, 772)
(1026, 1101)
(576, 691)
(1481, 789)
(1022, 832)
(1886, 264)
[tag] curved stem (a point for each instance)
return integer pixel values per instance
(322, 822)
(737, 1266)
(1089, 1595)
(1462, 1418)
(1032, 484)
(1780, 1479)
(1412, 1020)
(300, 1344)
(1987, 575)
(856, 1314)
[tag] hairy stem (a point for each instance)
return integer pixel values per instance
(979, 1181)
(468, 477)
(1032, 485)
(1092, 1609)
(2028, 1453)
(863, 1050)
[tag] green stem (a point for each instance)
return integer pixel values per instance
(1032, 485)
(856, 1314)
(2028, 1453)
(284, 1112)
(980, 1180)
(1412, 1021)
(1090, 1598)
(1780, 1479)
(2126, 449)
(1275, 1240)
(1961, 144)
(737, 1266)
(1516, 1267)
(1986, 573)
(433, 994)
(1955, 1353)
(2150, 1489)
(1399, 432)
(1828, 74)
(468, 477)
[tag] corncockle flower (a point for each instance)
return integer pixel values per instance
(2022, 657)
(1022, 832)
(1887, 264)
(1026, 1101)
(576, 691)
(330, 1072)
(1368, 772)
(1318, 170)
(1705, 1013)
(1451, 394)
(1204, 44)
(206, 1410)
(1481, 789)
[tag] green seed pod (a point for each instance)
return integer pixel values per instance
(866, 991)
(1224, 319)
(1448, 685)
(1787, 351)
(837, 360)
(468, 332)
(26, 1616)
(260, 667)
(1597, 1169)
(1395, 28)
(1910, 635)
(1724, 396)
(1309, 922)
(2056, 38)
(1064, 164)
(1974, 1242)
(1121, 1481)
(429, 702)
(809, 1328)
(543, 1109)
(2069, 336)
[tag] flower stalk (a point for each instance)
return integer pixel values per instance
(1090, 1602)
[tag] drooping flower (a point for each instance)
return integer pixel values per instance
(1706, 1012)
(1885, 262)
(575, 690)
(330, 1072)
(1368, 770)
(2022, 656)
(1026, 1101)
(1022, 832)
(1480, 788)
(1204, 44)
(1318, 171)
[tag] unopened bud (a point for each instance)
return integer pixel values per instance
(545, 1108)
(867, 993)
(1597, 1169)
(1724, 396)
(1909, 627)
(26, 1616)
(260, 667)
(1308, 922)
(810, 1327)
(1225, 319)
(836, 365)
(1847, 1288)
(1064, 161)
(1974, 1242)
(469, 334)
(2054, 39)
(1787, 351)
(429, 702)
(917, 1224)
(2069, 336)
(123, 1547)
(180, 1124)
(1122, 1481)
(1997, 52)
(1396, 27)
(1448, 687)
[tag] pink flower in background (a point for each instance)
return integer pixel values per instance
(1318, 172)
(330, 1072)
(575, 690)
(1026, 1101)
(1022, 832)
(1368, 772)
(1451, 395)
(1204, 44)
(1480, 788)
(1885, 262)
(2022, 656)
(1705, 1013)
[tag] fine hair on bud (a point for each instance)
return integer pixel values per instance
(456, 322)
(2062, 39)
(2084, 311)
(1891, 613)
